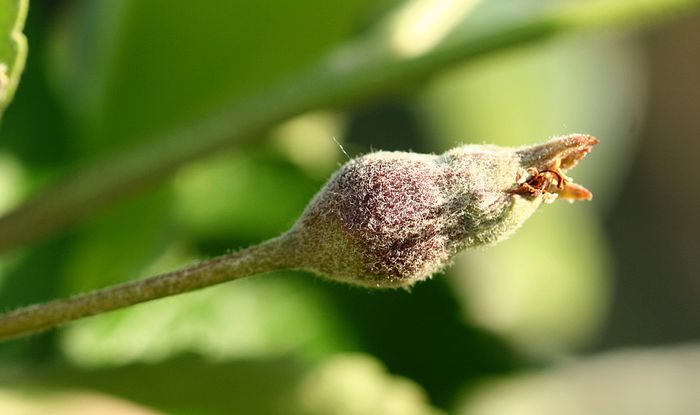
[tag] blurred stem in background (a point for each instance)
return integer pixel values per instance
(370, 66)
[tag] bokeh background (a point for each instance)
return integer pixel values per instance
(589, 308)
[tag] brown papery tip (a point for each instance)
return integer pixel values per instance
(566, 151)
(581, 145)
(545, 165)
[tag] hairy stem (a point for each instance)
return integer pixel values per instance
(265, 257)
(361, 70)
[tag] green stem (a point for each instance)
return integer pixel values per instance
(265, 257)
(359, 71)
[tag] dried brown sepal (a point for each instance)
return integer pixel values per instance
(550, 161)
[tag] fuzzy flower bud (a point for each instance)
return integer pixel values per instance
(390, 219)
(383, 220)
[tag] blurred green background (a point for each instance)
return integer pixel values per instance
(547, 322)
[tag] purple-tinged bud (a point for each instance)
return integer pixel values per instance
(390, 219)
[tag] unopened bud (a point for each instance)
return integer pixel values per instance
(390, 219)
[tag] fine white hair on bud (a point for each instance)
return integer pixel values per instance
(390, 219)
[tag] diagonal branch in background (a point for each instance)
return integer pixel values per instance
(361, 70)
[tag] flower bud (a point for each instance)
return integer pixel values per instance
(390, 219)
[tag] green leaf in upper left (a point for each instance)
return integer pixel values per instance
(13, 47)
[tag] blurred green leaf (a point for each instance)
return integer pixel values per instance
(40, 401)
(238, 196)
(153, 66)
(358, 385)
(343, 385)
(257, 317)
(13, 48)
(35, 129)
